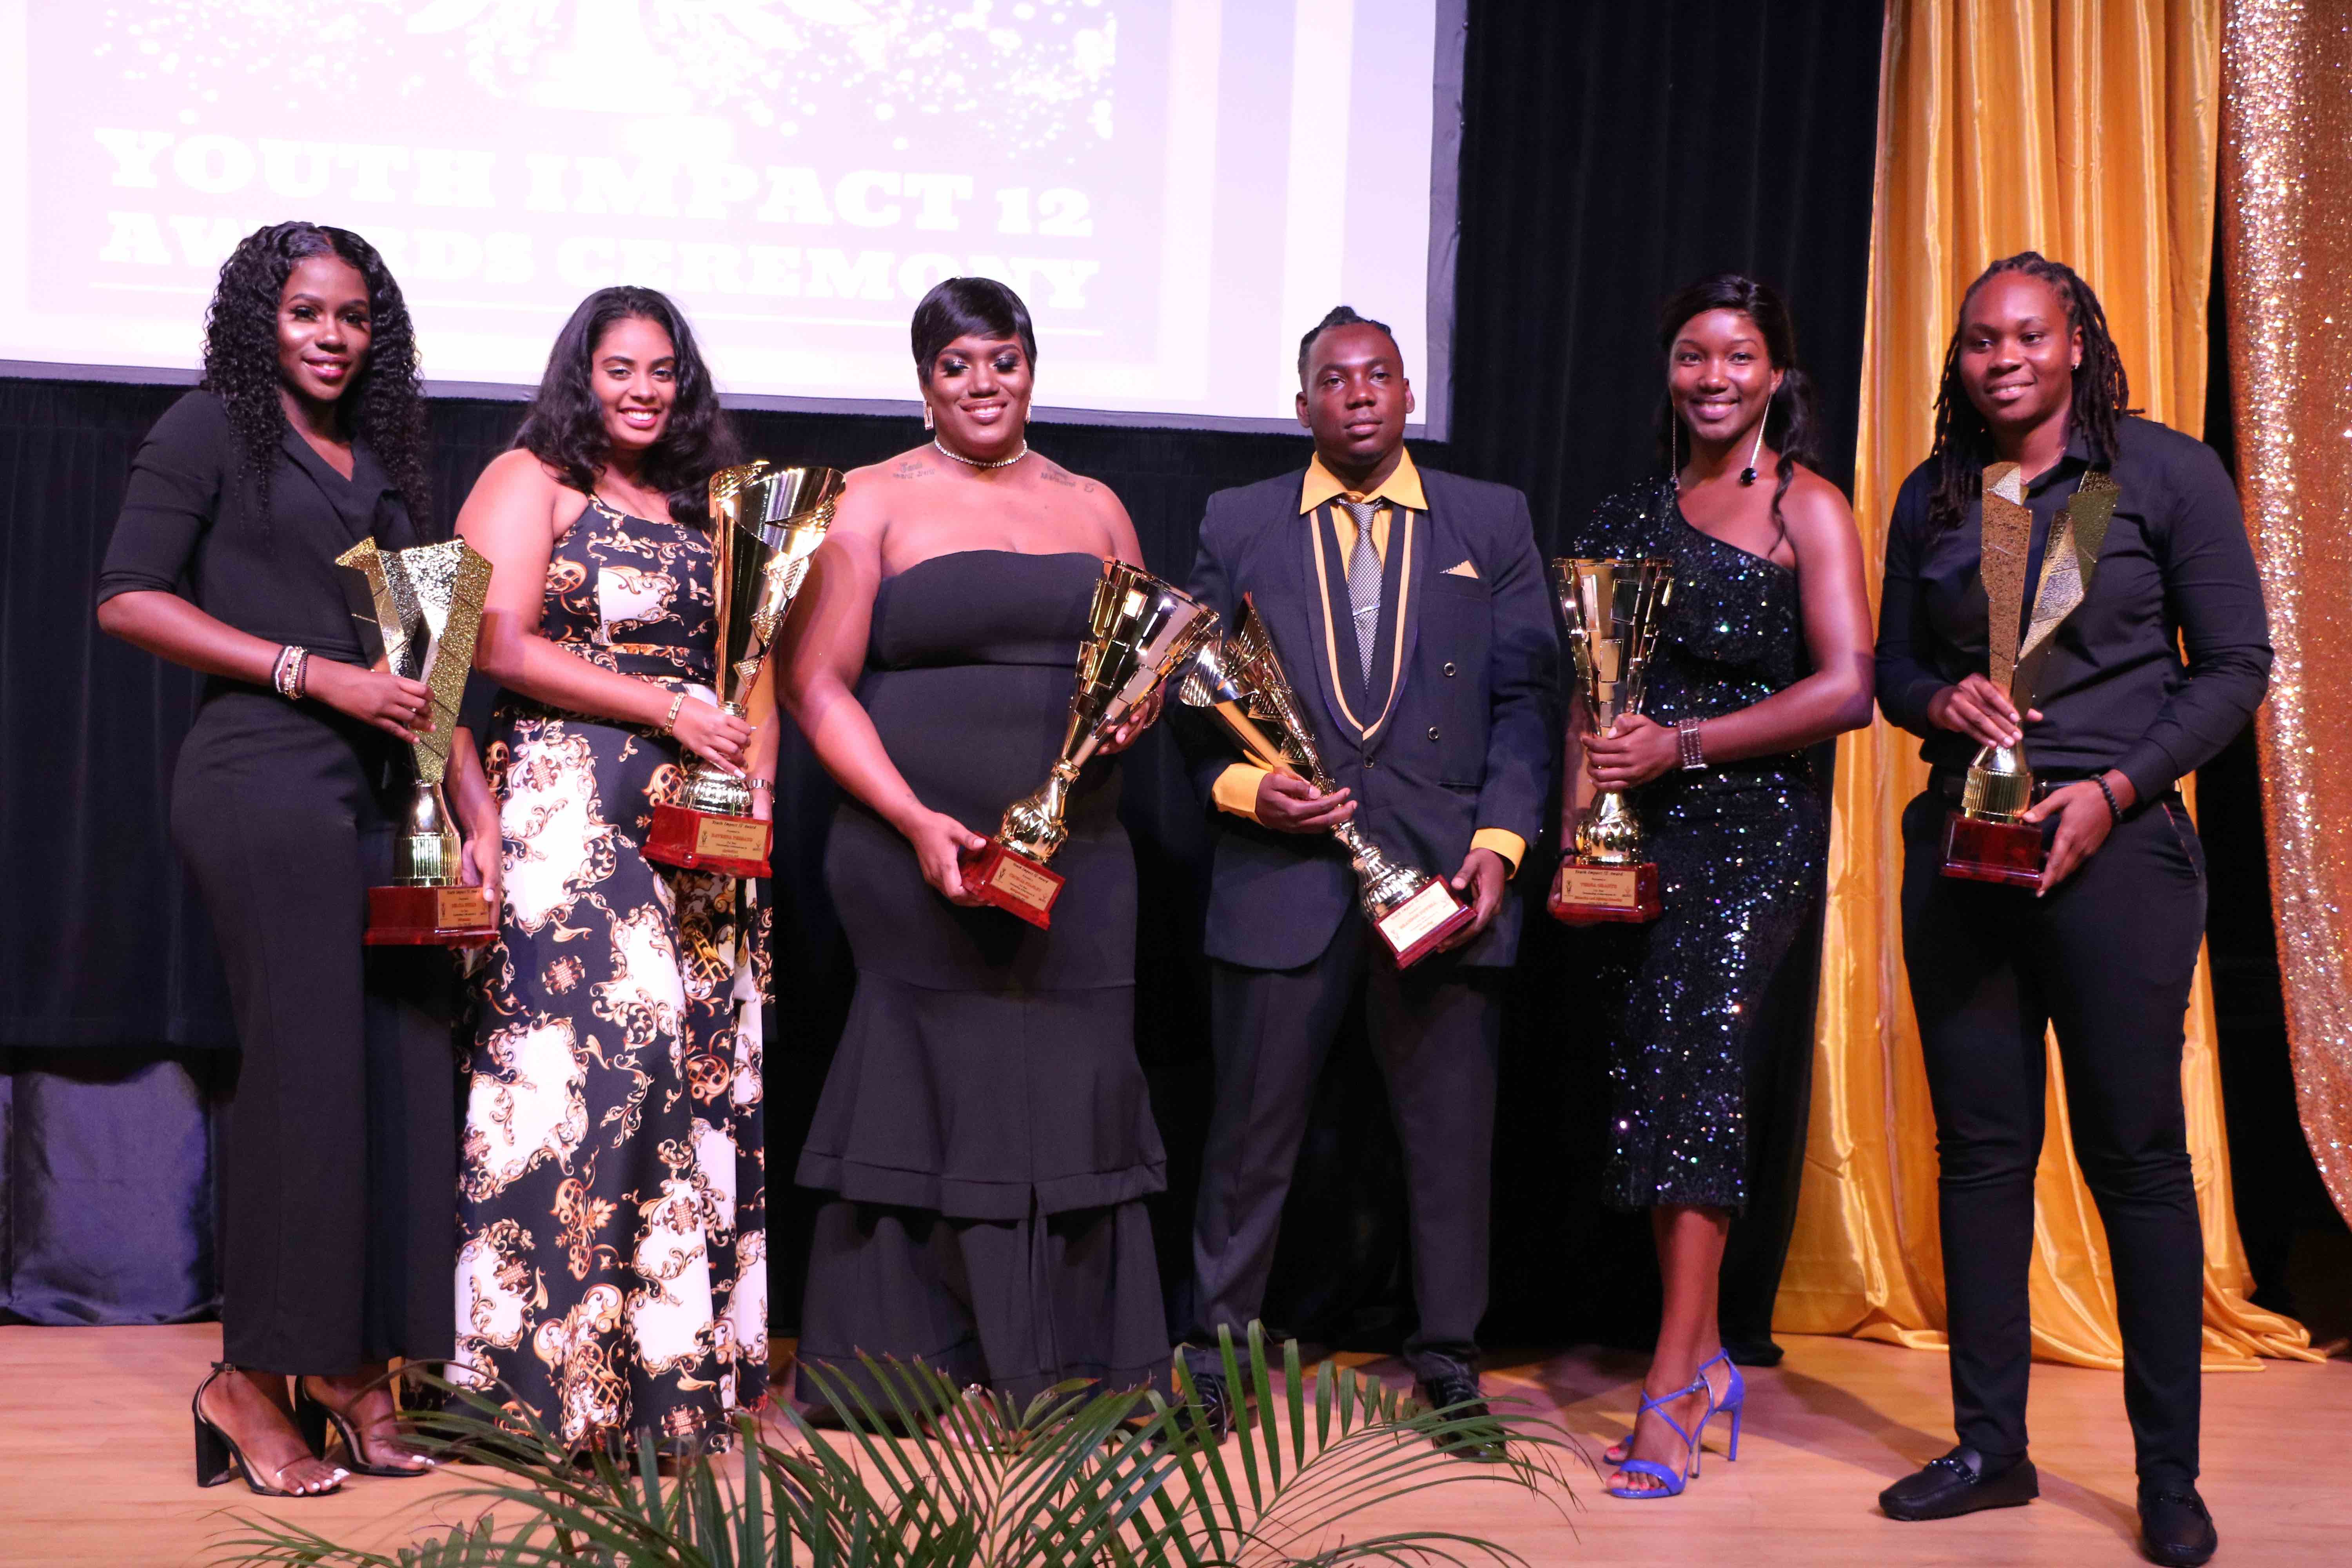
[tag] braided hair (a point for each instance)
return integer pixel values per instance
(385, 406)
(2102, 391)
(1792, 419)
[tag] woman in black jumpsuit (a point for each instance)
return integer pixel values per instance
(341, 1152)
(2105, 950)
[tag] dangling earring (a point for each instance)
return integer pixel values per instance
(1748, 474)
(927, 417)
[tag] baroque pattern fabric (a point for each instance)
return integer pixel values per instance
(612, 1264)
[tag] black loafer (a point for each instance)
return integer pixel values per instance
(1457, 1394)
(1958, 1483)
(2175, 1529)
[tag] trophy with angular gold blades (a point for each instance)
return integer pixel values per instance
(428, 605)
(1612, 610)
(1987, 839)
(1142, 631)
(1242, 685)
(765, 524)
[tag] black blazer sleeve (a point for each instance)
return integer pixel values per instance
(1523, 676)
(1207, 753)
(1906, 680)
(174, 496)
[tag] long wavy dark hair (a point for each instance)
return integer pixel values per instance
(1792, 420)
(2102, 391)
(564, 428)
(385, 404)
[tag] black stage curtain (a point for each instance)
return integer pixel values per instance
(1610, 155)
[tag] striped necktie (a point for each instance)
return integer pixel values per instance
(1364, 585)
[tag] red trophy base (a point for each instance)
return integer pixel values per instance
(709, 841)
(430, 916)
(1624, 893)
(1415, 928)
(1012, 882)
(2010, 853)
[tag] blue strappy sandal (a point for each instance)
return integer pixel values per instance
(1734, 1401)
(1670, 1481)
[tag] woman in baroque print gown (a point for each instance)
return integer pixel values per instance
(1763, 652)
(612, 1276)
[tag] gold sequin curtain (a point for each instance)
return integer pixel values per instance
(2286, 179)
(2086, 131)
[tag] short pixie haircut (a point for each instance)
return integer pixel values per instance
(969, 308)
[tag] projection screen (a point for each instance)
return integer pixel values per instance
(1178, 188)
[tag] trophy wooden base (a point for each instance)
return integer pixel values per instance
(709, 841)
(2009, 853)
(430, 916)
(1623, 893)
(1414, 928)
(1010, 881)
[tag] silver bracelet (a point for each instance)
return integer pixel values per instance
(1694, 749)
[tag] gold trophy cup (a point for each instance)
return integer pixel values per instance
(428, 605)
(1142, 631)
(765, 524)
(1240, 683)
(1987, 839)
(1612, 610)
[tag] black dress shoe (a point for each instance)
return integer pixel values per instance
(2174, 1528)
(1456, 1393)
(1209, 1415)
(1753, 1352)
(1958, 1483)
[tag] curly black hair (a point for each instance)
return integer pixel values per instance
(385, 404)
(564, 426)
(2102, 391)
(1792, 419)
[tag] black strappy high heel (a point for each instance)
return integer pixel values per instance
(217, 1453)
(313, 1415)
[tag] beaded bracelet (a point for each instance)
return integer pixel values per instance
(287, 674)
(1694, 749)
(2114, 812)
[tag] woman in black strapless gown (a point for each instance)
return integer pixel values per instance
(984, 1134)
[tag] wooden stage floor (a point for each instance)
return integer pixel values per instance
(95, 1465)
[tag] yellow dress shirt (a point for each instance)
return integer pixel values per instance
(1236, 788)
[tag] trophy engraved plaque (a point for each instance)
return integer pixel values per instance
(1987, 839)
(1240, 683)
(428, 605)
(765, 524)
(1612, 610)
(1141, 631)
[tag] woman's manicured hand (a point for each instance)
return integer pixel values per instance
(1979, 709)
(393, 703)
(1634, 750)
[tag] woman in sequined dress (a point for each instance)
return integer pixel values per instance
(1765, 651)
(612, 1272)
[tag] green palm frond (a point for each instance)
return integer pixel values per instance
(925, 1476)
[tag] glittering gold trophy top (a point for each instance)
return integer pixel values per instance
(1612, 610)
(1241, 683)
(766, 523)
(1141, 631)
(428, 605)
(1999, 786)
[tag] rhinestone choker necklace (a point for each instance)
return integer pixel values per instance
(945, 451)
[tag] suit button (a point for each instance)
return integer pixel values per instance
(1432, 731)
(1449, 668)
(1369, 764)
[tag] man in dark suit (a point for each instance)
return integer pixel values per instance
(1410, 611)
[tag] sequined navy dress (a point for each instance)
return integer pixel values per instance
(1739, 848)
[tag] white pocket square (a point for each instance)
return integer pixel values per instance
(1464, 570)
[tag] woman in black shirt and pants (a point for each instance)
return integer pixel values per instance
(2104, 950)
(340, 1158)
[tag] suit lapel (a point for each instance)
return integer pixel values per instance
(356, 597)
(1317, 573)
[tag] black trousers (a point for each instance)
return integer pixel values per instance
(2105, 959)
(340, 1160)
(1435, 1030)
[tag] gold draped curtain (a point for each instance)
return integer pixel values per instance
(2085, 130)
(2287, 177)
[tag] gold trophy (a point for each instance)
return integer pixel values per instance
(1242, 685)
(765, 524)
(1612, 610)
(1987, 839)
(1142, 630)
(428, 605)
